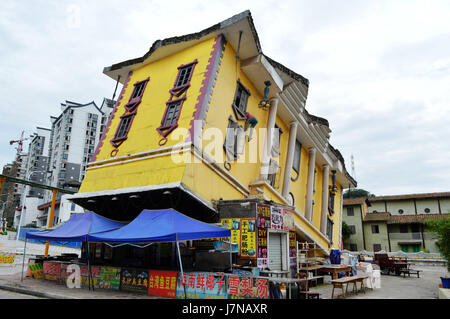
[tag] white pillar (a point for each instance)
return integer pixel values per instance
(310, 184)
(324, 212)
(268, 144)
(289, 159)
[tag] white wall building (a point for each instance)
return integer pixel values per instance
(58, 157)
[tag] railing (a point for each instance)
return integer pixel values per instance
(412, 236)
(405, 236)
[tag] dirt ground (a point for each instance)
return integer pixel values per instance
(396, 287)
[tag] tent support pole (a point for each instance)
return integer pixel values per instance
(231, 257)
(181, 268)
(23, 259)
(89, 266)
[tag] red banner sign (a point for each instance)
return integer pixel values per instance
(162, 283)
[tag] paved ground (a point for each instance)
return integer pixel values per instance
(5, 294)
(392, 287)
(397, 287)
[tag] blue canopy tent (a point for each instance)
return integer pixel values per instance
(76, 229)
(156, 226)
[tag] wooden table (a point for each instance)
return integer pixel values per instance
(290, 281)
(339, 283)
(335, 269)
(314, 269)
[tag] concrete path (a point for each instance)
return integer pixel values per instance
(397, 287)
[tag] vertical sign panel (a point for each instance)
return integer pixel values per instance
(262, 223)
(276, 218)
(248, 237)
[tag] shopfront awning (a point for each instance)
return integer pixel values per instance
(165, 225)
(77, 228)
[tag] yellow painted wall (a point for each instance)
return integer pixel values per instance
(298, 188)
(220, 110)
(317, 208)
(134, 174)
(143, 135)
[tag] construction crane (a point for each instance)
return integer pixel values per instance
(19, 142)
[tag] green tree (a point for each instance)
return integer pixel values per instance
(346, 231)
(357, 192)
(441, 228)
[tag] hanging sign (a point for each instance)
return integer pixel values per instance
(202, 285)
(248, 238)
(134, 280)
(162, 283)
(276, 218)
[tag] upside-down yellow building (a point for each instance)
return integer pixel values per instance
(209, 125)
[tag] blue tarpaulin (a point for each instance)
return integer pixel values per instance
(77, 228)
(166, 225)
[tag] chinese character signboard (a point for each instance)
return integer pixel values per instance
(95, 276)
(276, 218)
(201, 285)
(235, 225)
(247, 287)
(162, 283)
(262, 223)
(6, 258)
(263, 216)
(220, 245)
(248, 238)
(262, 248)
(36, 270)
(288, 220)
(292, 249)
(109, 278)
(134, 280)
(52, 271)
(63, 273)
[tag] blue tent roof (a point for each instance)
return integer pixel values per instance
(161, 226)
(77, 228)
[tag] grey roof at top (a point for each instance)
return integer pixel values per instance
(198, 35)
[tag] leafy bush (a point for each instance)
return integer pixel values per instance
(441, 228)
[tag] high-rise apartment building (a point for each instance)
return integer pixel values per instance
(58, 157)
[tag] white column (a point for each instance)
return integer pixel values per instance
(324, 212)
(289, 159)
(310, 184)
(269, 132)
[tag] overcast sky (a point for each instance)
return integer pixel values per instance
(379, 71)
